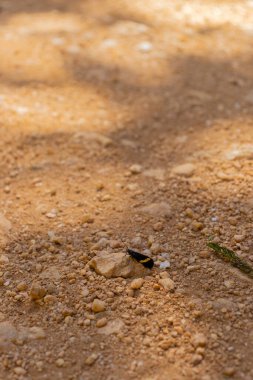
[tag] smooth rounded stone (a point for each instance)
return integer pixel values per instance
(101, 322)
(166, 344)
(161, 209)
(135, 169)
(98, 306)
(85, 292)
(199, 340)
(197, 226)
(19, 371)
(60, 362)
(91, 359)
(113, 327)
(115, 244)
(167, 283)
(37, 292)
(196, 359)
(239, 238)
(137, 283)
(184, 170)
(36, 333)
(229, 371)
(118, 264)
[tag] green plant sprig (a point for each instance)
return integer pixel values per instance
(228, 255)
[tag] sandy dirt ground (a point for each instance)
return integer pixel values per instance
(125, 124)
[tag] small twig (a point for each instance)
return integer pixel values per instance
(228, 255)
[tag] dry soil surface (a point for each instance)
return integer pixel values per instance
(125, 124)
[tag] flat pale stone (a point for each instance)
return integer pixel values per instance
(117, 265)
(112, 327)
(162, 209)
(240, 151)
(184, 170)
(158, 174)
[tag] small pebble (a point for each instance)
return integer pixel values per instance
(37, 292)
(184, 170)
(98, 306)
(197, 226)
(137, 283)
(167, 283)
(91, 359)
(21, 286)
(199, 340)
(239, 238)
(164, 265)
(19, 371)
(60, 362)
(135, 169)
(196, 359)
(229, 371)
(101, 322)
(87, 219)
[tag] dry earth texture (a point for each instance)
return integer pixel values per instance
(125, 124)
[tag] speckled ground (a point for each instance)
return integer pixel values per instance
(125, 124)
